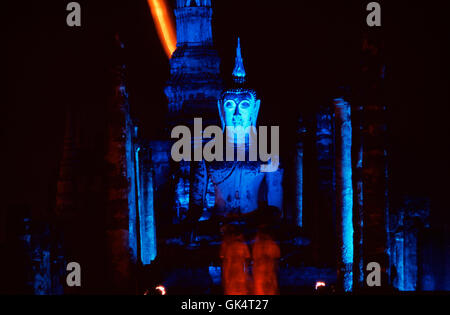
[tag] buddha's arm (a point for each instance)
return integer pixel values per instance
(199, 181)
(275, 189)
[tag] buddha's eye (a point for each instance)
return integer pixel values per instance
(230, 104)
(244, 104)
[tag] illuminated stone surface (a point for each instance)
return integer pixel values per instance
(195, 83)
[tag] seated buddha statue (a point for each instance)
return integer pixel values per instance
(241, 186)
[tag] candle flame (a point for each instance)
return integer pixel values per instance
(161, 289)
(320, 284)
(164, 25)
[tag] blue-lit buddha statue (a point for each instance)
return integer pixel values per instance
(241, 187)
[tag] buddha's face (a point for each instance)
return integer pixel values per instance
(239, 109)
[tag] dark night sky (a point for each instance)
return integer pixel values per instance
(294, 51)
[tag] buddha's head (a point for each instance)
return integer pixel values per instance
(239, 106)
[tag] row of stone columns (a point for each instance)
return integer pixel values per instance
(360, 178)
(115, 222)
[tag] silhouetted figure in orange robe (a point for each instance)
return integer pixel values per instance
(265, 254)
(235, 256)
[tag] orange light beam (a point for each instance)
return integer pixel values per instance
(164, 25)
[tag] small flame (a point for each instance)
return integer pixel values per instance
(320, 284)
(161, 289)
(164, 25)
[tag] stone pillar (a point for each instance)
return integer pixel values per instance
(408, 225)
(69, 168)
(357, 159)
(374, 169)
(163, 183)
(299, 178)
(120, 186)
(344, 189)
(326, 201)
(69, 199)
(146, 206)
